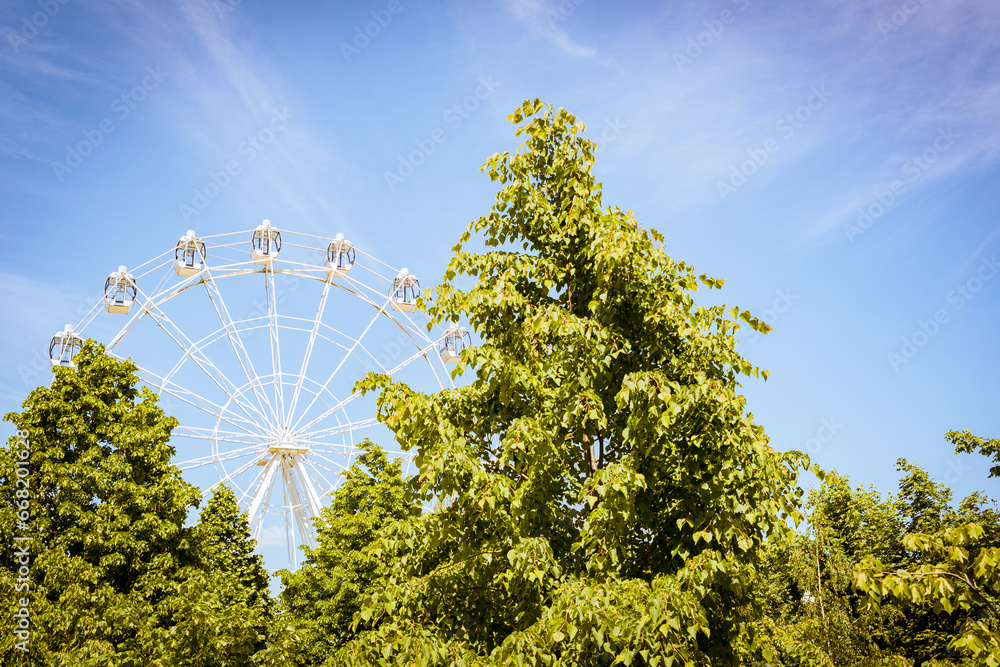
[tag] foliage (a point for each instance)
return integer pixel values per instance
(115, 576)
(949, 561)
(966, 443)
(606, 495)
(320, 600)
(953, 573)
(812, 613)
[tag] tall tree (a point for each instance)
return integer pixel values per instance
(112, 574)
(320, 600)
(606, 495)
(814, 617)
(946, 575)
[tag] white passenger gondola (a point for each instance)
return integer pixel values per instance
(339, 257)
(404, 292)
(266, 243)
(119, 291)
(64, 346)
(189, 256)
(456, 339)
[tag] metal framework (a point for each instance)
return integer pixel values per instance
(258, 358)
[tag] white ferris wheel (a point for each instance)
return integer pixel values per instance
(254, 341)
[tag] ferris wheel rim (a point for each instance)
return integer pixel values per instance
(247, 408)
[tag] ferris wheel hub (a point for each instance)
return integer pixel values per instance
(286, 444)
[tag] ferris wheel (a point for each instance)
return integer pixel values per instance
(254, 340)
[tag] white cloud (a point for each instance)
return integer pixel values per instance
(544, 18)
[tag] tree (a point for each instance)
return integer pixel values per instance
(966, 443)
(605, 494)
(813, 615)
(946, 576)
(112, 575)
(225, 552)
(320, 600)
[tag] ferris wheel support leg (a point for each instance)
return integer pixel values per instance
(312, 498)
(298, 507)
(265, 486)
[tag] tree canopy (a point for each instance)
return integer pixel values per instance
(605, 495)
(116, 577)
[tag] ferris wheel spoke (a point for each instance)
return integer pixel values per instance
(233, 475)
(314, 436)
(272, 326)
(363, 289)
(309, 348)
(326, 384)
(339, 406)
(328, 486)
(246, 495)
(232, 332)
(124, 330)
(218, 458)
(204, 404)
(203, 432)
(204, 363)
(333, 465)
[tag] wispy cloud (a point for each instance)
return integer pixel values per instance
(543, 17)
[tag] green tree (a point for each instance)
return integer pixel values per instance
(813, 615)
(966, 443)
(944, 577)
(605, 494)
(320, 600)
(225, 552)
(115, 578)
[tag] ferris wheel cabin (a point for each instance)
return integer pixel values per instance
(456, 339)
(119, 291)
(404, 292)
(189, 255)
(266, 244)
(339, 257)
(64, 346)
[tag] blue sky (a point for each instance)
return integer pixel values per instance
(836, 162)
